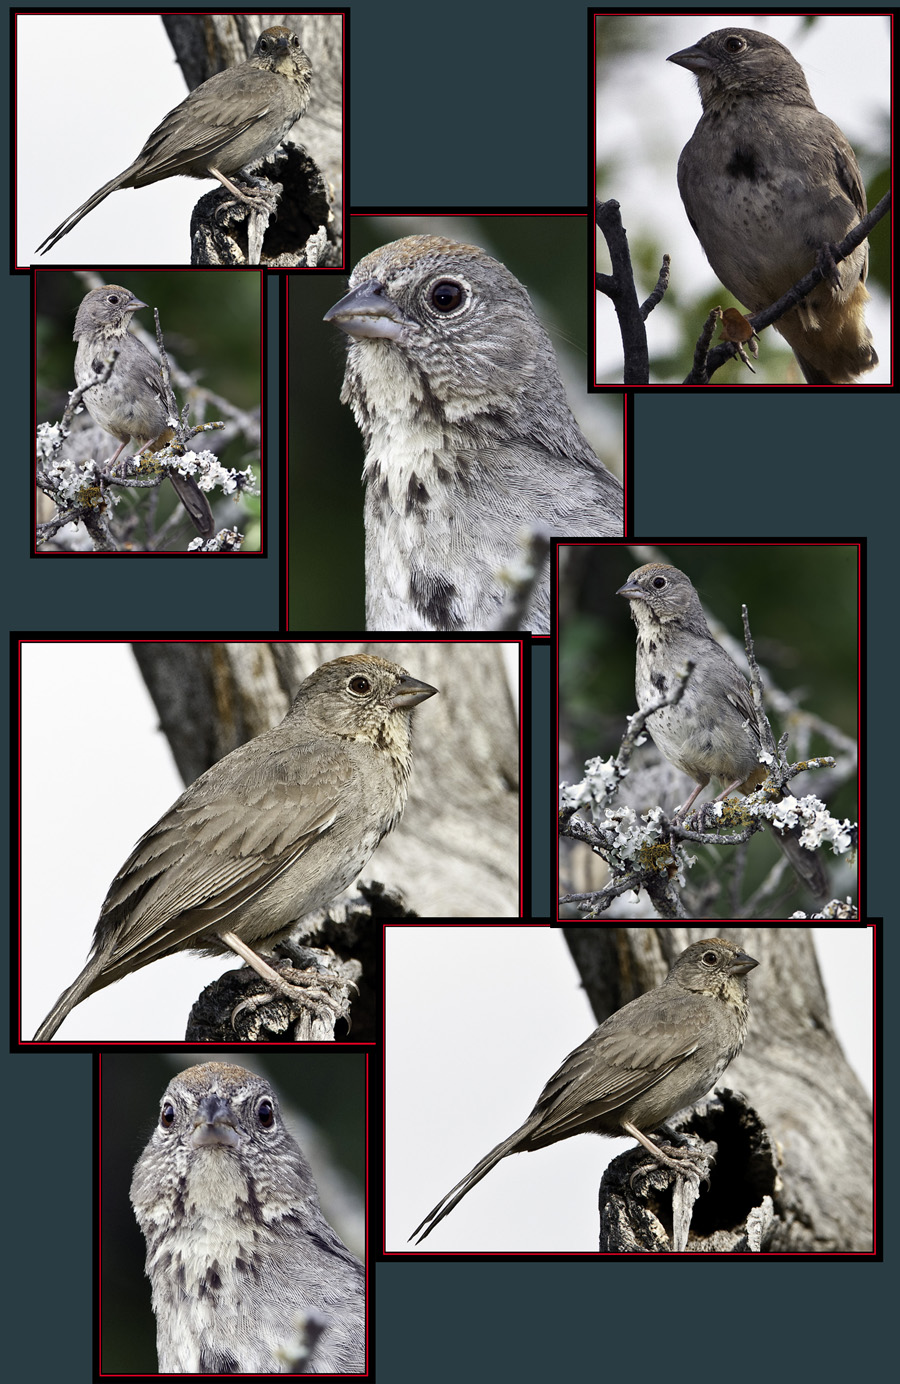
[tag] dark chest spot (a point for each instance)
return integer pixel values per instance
(743, 163)
(434, 599)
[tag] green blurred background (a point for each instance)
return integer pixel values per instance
(211, 325)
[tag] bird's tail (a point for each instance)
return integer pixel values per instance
(92, 978)
(807, 865)
(456, 1194)
(195, 502)
(66, 226)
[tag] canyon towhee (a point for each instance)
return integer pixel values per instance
(226, 124)
(652, 1058)
(237, 1246)
(767, 181)
(712, 732)
(131, 404)
(277, 828)
(468, 433)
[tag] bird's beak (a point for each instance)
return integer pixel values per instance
(631, 591)
(366, 312)
(694, 59)
(409, 692)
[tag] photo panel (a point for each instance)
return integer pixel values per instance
(212, 331)
(803, 605)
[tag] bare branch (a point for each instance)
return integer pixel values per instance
(620, 289)
(700, 374)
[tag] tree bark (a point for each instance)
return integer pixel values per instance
(206, 44)
(455, 853)
(815, 1112)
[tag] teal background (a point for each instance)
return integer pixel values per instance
(479, 105)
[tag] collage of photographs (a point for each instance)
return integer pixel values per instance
(558, 437)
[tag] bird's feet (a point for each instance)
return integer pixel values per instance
(259, 194)
(305, 994)
(686, 1158)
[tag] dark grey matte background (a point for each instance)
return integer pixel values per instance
(803, 463)
(489, 109)
(543, 854)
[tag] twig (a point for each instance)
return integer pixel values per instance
(700, 374)
(662, 283)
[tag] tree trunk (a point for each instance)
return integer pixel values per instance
(206, 44)
(455, 853)
(818, 1118)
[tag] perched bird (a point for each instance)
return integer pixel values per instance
(713, 731)
(652, 1058)
(131, 404)
(470, 442)
(768, 182)
(237, 1246)
(226, 124)
(275, 829)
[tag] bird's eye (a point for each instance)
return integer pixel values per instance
(710, 958)
(447, 295)
(167, 1115)
(659, 583)
(112, 298)
(360, 685)
(265, 1113)
(734, 44)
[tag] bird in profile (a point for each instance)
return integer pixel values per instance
(225, 125)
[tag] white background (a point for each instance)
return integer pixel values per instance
(97, 772)
(83, 113)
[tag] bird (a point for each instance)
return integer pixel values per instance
(648, 1060)
(277, 828)
(225, 125)
(470, 441)
(238, 1251)
(769, 183)
(713, 730)
(131, 403)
